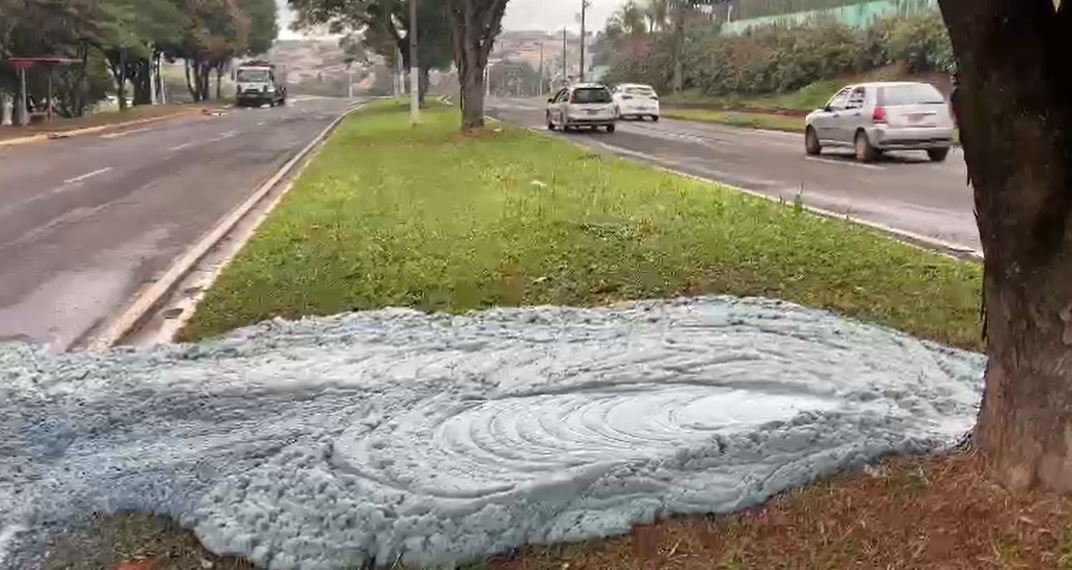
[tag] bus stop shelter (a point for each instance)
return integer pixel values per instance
(22, 64)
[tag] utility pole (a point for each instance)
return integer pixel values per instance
(539, 90)
(414, 68)
(565, 72)
(584, 8)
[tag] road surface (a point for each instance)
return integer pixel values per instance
(86, 222)
(902, 190)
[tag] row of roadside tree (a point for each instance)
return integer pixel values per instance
(119, 45)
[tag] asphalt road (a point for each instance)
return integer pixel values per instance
(86, 222)
(902, 190)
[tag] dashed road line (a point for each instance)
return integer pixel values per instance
(182, 146)
(87, 175)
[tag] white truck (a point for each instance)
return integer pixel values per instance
(260, 82)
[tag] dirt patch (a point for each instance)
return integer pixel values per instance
(908, 513)
(132, 542)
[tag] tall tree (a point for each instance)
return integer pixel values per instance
(476, 24)
(1016, 123)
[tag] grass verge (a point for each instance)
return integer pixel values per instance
(769, 121)
(388, 215)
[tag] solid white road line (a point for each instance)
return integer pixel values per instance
(87, 175)
(125, 133)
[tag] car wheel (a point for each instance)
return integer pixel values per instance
(864, 151)
(550, 123)
(655, 118)
(811, 142)
(610, 128)
(938, 154)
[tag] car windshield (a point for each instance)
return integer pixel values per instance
(919, 94)
(591, 95)
(640, 91)
(252, 75)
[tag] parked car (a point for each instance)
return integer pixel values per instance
(633, 100)
(875, 117)
(581, 105)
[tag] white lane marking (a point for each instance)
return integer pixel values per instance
(261, 124)
(182, 146)
(125, 133)
(844, 163)
(224, 136)
(87, 175)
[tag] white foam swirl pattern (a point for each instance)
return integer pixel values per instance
(332, 443)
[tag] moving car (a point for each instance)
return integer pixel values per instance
(633, 100)
(581, 105)
(875, 117)
(260, 82)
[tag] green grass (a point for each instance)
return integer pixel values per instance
(805, 100)
(737, 119)
(388, 215)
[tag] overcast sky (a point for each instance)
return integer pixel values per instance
(548, 15)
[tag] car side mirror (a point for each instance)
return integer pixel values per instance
(551, 100)
(827, 109)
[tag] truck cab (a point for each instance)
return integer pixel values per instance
(259, 83)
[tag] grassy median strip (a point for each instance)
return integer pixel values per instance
(769, 121)
(388, 215)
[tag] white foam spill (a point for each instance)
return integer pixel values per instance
(332, 443)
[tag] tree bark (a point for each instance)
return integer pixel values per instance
(219, 81)
(121, 80)
(1016, 116)
(425, 82)
(190, 85)
(141, 77)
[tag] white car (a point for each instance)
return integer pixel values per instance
(581, 105)
(874, 117)
(633, 100)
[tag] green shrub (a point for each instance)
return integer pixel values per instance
(781, 58)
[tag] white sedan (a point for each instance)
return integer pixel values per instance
(633, 100)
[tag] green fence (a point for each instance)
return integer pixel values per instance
(750, 14)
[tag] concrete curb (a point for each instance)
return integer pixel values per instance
(906, 237)
(148, 299)
(93, 130)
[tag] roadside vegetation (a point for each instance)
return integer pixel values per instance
(769, 121)
(776, 59)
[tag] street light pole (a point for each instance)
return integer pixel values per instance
(414, 68)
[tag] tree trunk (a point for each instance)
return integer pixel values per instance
(121, 80)
(475, 24)
(425, 82)
(219, 81)
(472, 98)
(141, 77)
(195, 93)
(1016, 120)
